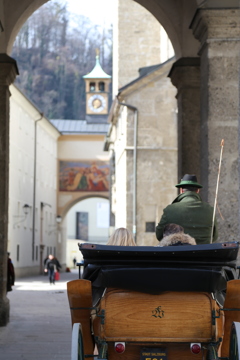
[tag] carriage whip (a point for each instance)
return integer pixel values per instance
(215, 202)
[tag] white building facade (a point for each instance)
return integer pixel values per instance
(32, 186)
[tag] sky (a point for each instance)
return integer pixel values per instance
(99, 11)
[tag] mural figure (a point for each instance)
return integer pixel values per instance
(83, 176)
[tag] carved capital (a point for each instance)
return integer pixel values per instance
(216, 25)
(8, 70)
(185, 73)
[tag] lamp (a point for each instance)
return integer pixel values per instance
(56, 227)
(26, 209)
(58, 219)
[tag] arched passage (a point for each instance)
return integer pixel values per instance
(85, 219)
(216, 26)
(63, 212)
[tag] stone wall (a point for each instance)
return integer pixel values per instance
(156, 152)
(138, 41)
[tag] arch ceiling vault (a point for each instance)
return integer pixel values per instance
(206, 38)
(174, 15)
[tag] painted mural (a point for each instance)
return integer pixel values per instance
(83, 176)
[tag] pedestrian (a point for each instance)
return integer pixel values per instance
(52, 266)
(189, 211)
(74, 262)
(10, 273)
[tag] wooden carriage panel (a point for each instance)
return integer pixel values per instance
(232, 312)
(80, 302)
(179, 316)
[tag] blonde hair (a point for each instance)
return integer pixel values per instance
(121, 237)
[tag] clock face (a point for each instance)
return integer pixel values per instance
(96, 103)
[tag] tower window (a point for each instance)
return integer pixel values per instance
(101, 86)
(92, 86)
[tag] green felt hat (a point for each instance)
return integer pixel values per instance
(189, 180)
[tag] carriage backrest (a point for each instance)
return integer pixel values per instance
(201, 268)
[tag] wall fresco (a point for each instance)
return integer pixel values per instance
(83, 176)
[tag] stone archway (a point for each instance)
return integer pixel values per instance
(216, 28)
(64, 211)
(175, 18)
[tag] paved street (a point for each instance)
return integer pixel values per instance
(40, 322)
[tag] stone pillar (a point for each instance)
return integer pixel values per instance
(218, 31)
(185, 75)
(8, 72)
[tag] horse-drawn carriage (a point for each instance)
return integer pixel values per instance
(157, 303)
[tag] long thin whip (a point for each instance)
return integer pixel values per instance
(215, 202)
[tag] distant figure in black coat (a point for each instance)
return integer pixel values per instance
(51, 266)
(10, 274)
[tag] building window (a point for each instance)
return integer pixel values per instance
(92, 86)
(36, 252)
(101, 86)
(18, 252)
(150, 226)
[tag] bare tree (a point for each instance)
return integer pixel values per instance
(53, 55)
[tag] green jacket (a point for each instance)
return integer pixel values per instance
(194, 215)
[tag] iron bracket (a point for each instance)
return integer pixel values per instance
(102, 316)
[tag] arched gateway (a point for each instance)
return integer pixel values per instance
(205, 36)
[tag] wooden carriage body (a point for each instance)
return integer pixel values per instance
(157, 301)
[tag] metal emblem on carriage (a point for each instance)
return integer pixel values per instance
(158, 312)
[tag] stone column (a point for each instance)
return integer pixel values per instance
(8, 72)
(219, 33)
(185, 75)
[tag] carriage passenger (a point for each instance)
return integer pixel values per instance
(173, 235)
(121, 237)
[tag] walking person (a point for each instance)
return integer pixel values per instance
(51, 267)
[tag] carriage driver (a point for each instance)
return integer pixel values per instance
(189, 211)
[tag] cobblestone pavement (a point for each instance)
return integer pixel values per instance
(40, 322)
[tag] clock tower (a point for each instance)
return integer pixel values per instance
(97, 91)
